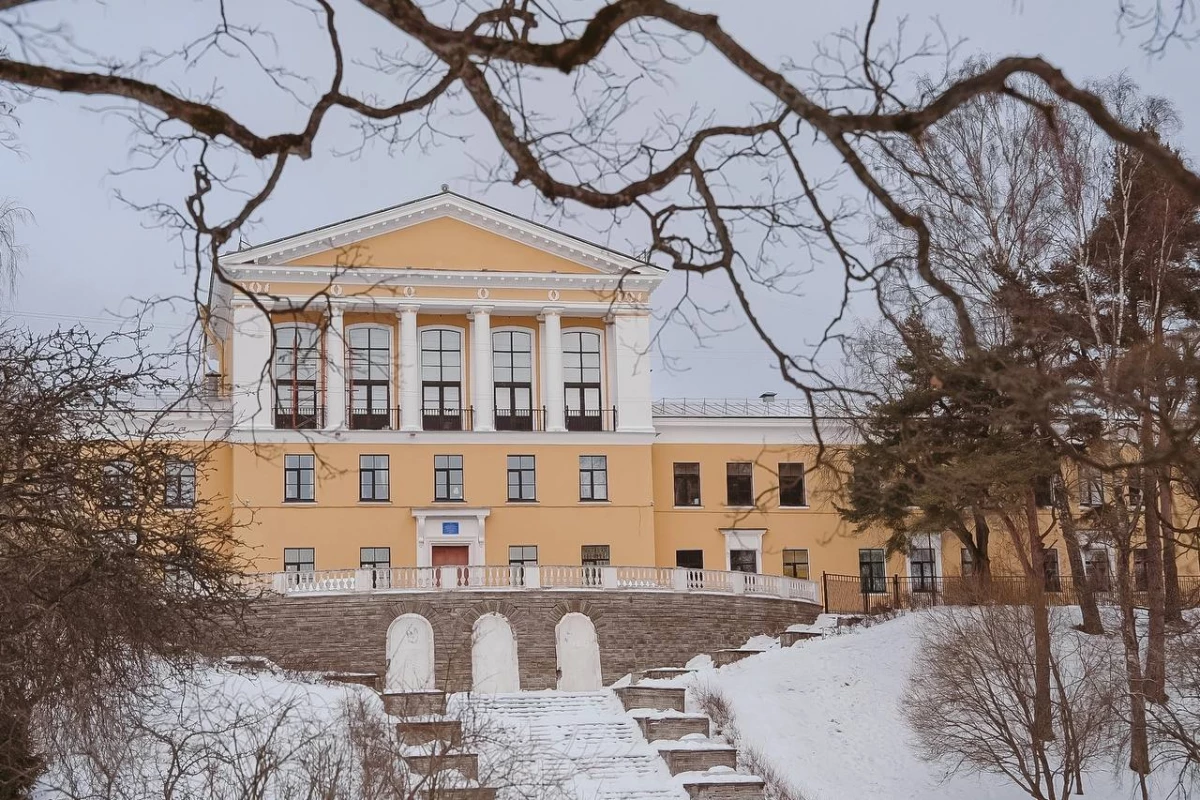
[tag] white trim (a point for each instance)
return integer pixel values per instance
(744, 539)
(441, 438)
(407, 276)
(440, 206)
(457, 306)
(793, 431)
(429, 536)
(921, 541)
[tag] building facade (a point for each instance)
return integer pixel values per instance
(443, 383)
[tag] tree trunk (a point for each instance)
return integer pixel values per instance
(1139, 747)
(19, 764)
(1172, 604)
(1083, 588)
(1043, 710)
(984, 560)
(1156, 663)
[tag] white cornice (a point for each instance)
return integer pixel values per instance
(407, 276)
(441, 206)
(789, 431)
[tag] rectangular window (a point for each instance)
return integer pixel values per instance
(299, 479)
(448, 478)
(118, 484)
(795, 564)
(522, 555)
(1141, 581)
(687, 484)
(689, 559)
(593, 478)
(739, 484)
(179, 490)
(968, 564)
(299, 559)
(1043, 491)
(743, 560)
(1095, 566)
(521, 480)
(595, 555)
(1133, 493)
(871, 566)
(373, 479)
(922, 564)
(791, 485)
(1051, 574)
(374, 557)
(1091, 487)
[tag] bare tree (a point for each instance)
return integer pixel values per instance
(972, 700)
(110, 557)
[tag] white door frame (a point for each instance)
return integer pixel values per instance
(471, 532)
(744, 539)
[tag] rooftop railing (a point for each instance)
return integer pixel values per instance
(528, 577)
(730, 407)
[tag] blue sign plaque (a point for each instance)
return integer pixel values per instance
(449, 529)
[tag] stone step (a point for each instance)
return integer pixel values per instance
(467, 764)
(673, 727)
(692, 757)
(663, 698)
(723, 658)
(723, 783)
(789, 638)
(430, 730)
(665, 673)
(368, 679)
(415, 704)
(478, 793)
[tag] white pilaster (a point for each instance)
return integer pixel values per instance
(632, 399)
(555, 418)
(253, 404)
(335, 369)
(410, 370)
(482, 397)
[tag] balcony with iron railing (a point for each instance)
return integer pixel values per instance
(536, 577)
(433, 418)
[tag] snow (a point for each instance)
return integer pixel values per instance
(825, 714)
(702, 661)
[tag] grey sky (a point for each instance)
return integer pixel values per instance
(88, 253)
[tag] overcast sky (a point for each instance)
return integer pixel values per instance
(88, 253)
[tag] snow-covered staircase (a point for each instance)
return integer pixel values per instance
(583, 741)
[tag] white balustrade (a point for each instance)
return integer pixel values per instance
(536, 576)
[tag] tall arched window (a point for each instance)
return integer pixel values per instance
(370, 377)
(512, 377)
(441, 379)
(581, 380)
(297, 372)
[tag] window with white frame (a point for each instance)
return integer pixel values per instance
(299, 559)
(522, 480)
(297, 375)
(370, 376)
(795, 563)
(512, 380)
(441, 379)
(581, 380)
(179, 484)
(299, 479)
(374, 479)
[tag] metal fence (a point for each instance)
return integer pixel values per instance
(877, 594)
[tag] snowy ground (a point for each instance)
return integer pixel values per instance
(825, 713)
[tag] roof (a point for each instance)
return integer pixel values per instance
(435, 206)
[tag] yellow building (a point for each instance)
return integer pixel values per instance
(442, 383)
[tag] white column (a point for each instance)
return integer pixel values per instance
(554, 372)
(482, 397)
(335, 369)
(410, 370)
(632, 398)
(253, 404)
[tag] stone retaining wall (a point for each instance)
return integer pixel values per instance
(636, 630)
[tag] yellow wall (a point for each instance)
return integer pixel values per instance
(444, 243)
(337, 524)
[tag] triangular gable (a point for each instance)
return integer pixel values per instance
(445, 231)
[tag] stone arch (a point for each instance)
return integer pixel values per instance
(494, 664)
(578, 653)
(409, 655)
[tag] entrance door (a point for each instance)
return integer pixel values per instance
(578, 654)
(451, 555)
